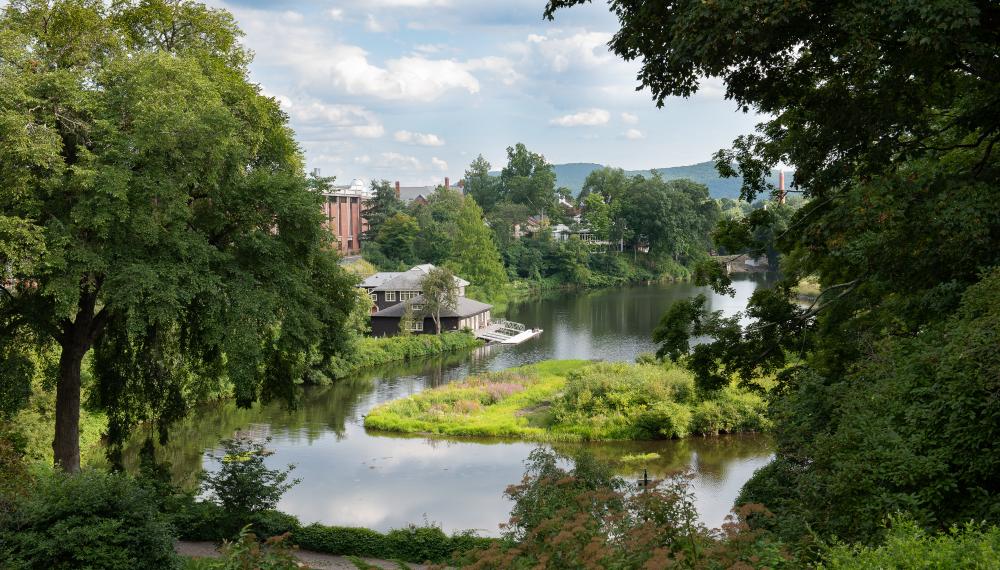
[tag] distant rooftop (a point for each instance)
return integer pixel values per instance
(464, 308)
(403, 280)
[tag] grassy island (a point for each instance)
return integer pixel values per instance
(575, 400)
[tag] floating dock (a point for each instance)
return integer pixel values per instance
(506, 332)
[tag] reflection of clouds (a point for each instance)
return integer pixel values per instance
(354, 478)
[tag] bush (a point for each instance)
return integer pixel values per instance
(243, 485)
(247, 553)
(86, 520)
(588, 518)
(273, 523)
(411, 544)
(908, 546)
(371, 352)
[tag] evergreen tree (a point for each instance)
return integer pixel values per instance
(483, 188)
(383, 205)
(474, 255)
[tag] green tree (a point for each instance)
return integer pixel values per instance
(529, 180)
(172, 205)
(483, 188)
(437, 220)
(891, 127)
(382, 205)
(440, 292)
(474, 255)
(243, 485)
(397, 236)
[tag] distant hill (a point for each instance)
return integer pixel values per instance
(572, 176)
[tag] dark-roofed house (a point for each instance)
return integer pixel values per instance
(388, 287)
(467, 314)
(391, 291)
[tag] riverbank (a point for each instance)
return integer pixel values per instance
(575, 400)
(371, 352)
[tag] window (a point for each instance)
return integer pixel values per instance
(374, 298)
(418, 306)
(417, 325)
(407, 295)
(390, 295)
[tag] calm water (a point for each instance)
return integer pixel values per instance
(381, 481)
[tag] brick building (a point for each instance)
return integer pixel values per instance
(343, 206)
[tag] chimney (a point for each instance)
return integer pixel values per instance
(781, 187)
(397, 189)
(447, 183)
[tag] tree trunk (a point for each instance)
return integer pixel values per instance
(66, 445)
(77, 337)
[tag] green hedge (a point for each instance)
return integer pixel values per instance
(370, 352)
(208, 521)
(411, 544)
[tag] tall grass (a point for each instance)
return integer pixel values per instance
(574, 400)
(369, 352)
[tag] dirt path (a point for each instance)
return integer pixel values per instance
(315, 560)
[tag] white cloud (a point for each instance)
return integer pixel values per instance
(589, 118)
(316, 116)
(629, 118)
(335, 14)
(634, 134)
(408, 3)
(501, 67)
(439, 164)
(561, 53)
(396, 161)
(421, 139)
(373, 25)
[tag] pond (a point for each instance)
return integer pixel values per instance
(354, 477)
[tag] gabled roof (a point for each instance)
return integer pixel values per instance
(410, 280)
(378, 279)
(464, 308)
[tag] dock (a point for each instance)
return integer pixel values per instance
(506, 332)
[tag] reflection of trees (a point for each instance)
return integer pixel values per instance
(708, 456)
(321, 410)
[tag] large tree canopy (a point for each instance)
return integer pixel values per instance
(890, 114)
(159, 213)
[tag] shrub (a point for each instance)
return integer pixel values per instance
(273, 523)
(243, 485)
(411, 544)
(587, 518)
(89, 519)
(908, 546)
(370, 352)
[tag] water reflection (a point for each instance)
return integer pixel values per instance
(352, 477)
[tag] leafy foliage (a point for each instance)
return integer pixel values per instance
(907, 546)
(87, 520)
(585, 517)
(161, 208)
(439, 292)
(243, 485)
(890, 115)
(369, 352)
(411, 544)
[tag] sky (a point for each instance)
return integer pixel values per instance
(414, 90)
